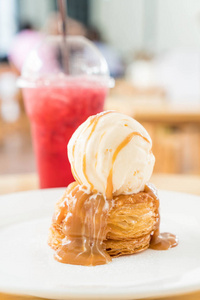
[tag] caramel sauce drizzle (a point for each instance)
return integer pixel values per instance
(109, 188)
(83, 220)
(94, 125)
(92, 119)
(75, 174)
(84, 228)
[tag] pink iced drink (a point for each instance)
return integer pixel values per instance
(55, 111)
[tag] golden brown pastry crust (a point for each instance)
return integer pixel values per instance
(117, 248)
(131, 222)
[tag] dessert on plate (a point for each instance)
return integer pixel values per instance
(110, 209)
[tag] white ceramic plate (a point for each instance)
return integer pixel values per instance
(27, 265)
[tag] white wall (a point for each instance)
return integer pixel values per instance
(121, 22)
(156, 25)
(8, 24)
(178, 24)
(37, 13)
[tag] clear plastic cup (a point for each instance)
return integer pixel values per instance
(63, 84)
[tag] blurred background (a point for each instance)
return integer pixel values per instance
(152, 48)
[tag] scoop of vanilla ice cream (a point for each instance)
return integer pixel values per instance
(111, 153)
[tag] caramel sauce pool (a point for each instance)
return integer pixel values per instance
(85, 227)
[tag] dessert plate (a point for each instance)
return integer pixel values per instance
(27, 265)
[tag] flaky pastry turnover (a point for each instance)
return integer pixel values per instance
(87, 229)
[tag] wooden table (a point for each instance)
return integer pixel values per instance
(155, 110)
(181, 183)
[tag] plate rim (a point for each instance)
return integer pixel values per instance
(119, 293)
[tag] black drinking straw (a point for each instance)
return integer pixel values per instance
(63, 13)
